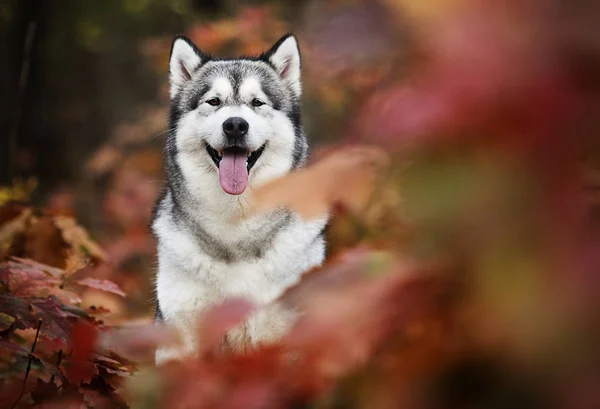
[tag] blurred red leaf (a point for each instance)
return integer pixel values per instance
(218, 320)
(83, 342)
(472, 79)
(137, 343)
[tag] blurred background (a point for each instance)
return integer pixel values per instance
(84, 101)
(490, 111)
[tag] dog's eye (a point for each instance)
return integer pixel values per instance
(257, 102)
(215, 102)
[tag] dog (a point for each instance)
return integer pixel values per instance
(235, 124)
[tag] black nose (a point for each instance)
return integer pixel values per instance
(235, 128)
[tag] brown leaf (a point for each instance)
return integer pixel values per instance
(78, 238)
(14, 226)
(42, 242)
(346, 177)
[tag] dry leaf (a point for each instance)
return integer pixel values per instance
(78, 238)
(15, 226)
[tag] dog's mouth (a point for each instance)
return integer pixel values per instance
(252, 156)
(234, 164)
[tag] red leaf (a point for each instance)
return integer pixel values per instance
(20, 309)
(104, 285)
(137, 343)
(53, 271)
(33, 280)
(55, 318)
(28, 313)
(83, 341)
(218, 320)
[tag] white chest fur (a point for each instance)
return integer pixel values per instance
(190, 280)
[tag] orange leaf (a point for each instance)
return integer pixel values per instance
(345, 177)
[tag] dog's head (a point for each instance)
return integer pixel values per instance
(236, 120)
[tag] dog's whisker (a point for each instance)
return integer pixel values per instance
(162, 133)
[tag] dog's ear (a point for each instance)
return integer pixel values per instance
(185, 59)
(285, 57)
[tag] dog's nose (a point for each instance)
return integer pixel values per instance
(235, 127)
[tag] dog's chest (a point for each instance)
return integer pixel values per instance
(191, 279)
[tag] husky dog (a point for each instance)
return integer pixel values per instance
(235, 124)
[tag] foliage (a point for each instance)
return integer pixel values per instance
(47, 337)
(463, 266)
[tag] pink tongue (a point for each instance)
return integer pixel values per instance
(233, 172)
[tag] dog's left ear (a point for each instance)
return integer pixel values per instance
(285, 57)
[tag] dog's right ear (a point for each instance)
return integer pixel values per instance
(185, 59)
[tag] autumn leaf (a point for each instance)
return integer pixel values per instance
(20, 309)
(83, 342)
(136, 342)
(346, 177)
(9, 229)
(44, 391)
(78, 238)
(28, 280)
(28, 313)
(218, 320)
(43, 243)
(104, 285)
(5, 321)
(53, 271)
(11, 346)
(55, 318)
